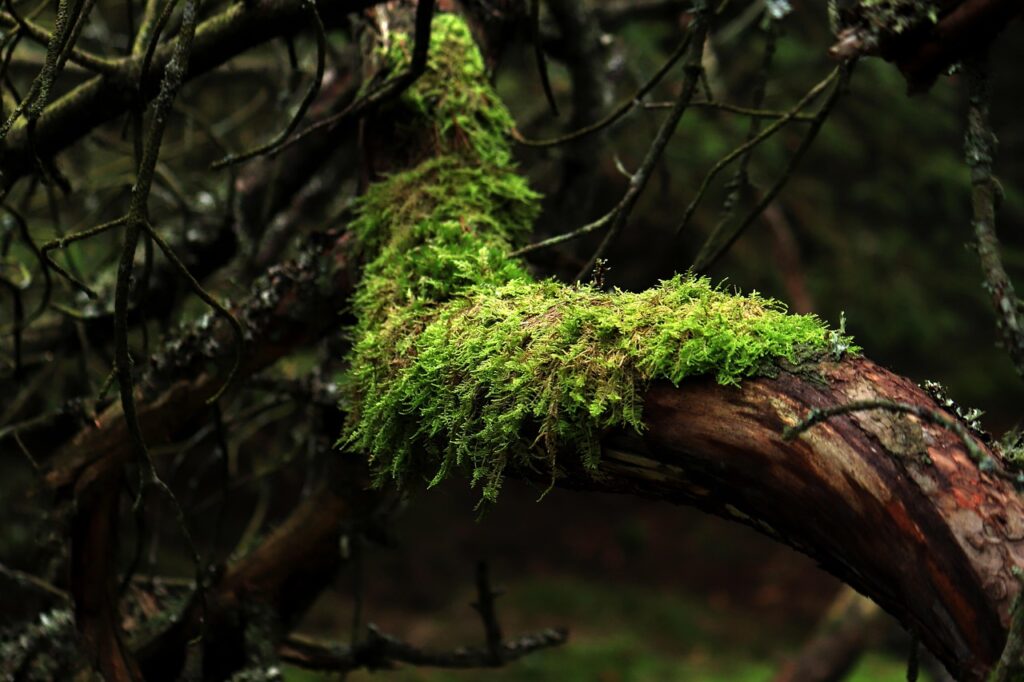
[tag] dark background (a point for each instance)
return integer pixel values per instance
(874, 224)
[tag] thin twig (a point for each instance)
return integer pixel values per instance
(136, 220)
(819, 415)
(715, 246)
(62, 242)
(34, 583)
(691, 75)
(154, 39)
(382, 651)
(913, 658)
(23, 232)
(980, 150)
(209, 300)
(19, 322)
(147, 26)
(742, 151)
(752, 112)
(314, 88)
(621, 110)
(87, 60)
(538, 54)
(740, 182)
(389, 89)
(484, 606)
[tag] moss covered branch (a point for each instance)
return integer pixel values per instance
(460, 354)
(462, 360)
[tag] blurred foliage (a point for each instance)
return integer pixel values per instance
(633, 634)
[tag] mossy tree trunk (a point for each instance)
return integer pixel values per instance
(464, 361)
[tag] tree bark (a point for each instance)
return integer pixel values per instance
(893, 507)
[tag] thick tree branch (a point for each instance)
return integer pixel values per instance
(286, 572)
(891, 505)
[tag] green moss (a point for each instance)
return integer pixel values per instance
(504, 373)
(462, 359)
(455, 95)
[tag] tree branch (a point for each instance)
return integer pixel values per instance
(239, 28)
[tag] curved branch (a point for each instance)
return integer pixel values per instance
(894, 506)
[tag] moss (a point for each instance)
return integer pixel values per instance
(501, 370)
(461, 358)
(455, 95)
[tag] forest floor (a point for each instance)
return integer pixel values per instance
(649, 591)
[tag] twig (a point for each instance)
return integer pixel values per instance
(62, 242)
(484, 606)
(742, 152)
(740, 182)
(38, 34)
(47, 280)
(147, 26)
(39, 92)
(691, 75)
(314, 88)
(819, 415)
(19, 322)
(389, 89)
(619, 111)
(209, 300)
(152, 34)
(538, 53)
(980, 149)
(381, 651)
(136, 220)
(715, 245)
(753, 112)
(34, 583)
(913, 658)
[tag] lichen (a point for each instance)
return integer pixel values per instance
(461, 358)
(882, 20)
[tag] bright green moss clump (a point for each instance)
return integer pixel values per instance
(461, 358)
(521, 370)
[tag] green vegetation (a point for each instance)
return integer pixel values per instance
(461, 356)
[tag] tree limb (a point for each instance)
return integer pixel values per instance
(237, 29)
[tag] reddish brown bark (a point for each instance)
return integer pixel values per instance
(93, 573)
(894, 507)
